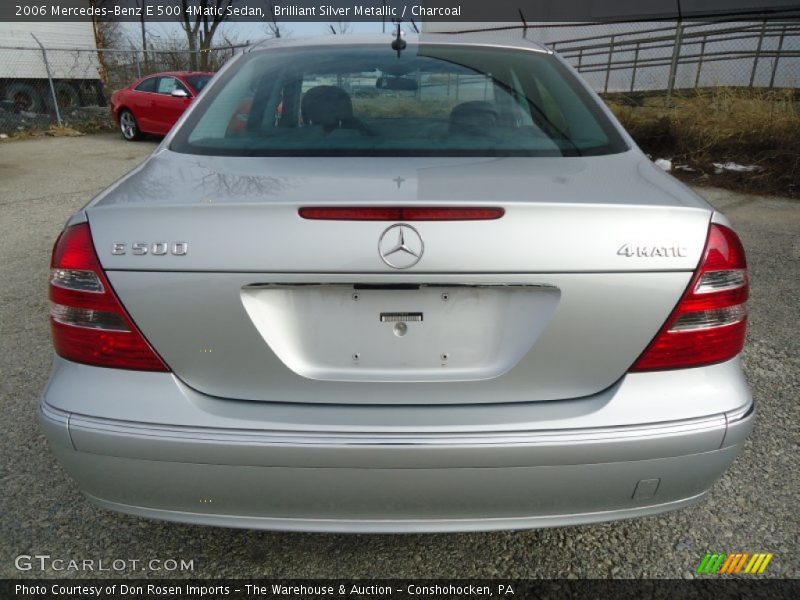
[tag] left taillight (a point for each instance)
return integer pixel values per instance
(87, 320)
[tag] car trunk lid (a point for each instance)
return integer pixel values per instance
(245, 299)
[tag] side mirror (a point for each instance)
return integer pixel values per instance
(179, 93)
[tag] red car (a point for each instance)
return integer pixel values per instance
(154, 103)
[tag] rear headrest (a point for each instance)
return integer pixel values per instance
(472, 117)
(326, 105)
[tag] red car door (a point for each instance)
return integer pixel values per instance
(140, 99)
(166, 109)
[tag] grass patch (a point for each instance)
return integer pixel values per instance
(63, 131)
(719, 125)
(400, 107)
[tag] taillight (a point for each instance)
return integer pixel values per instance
(88, 323)
(710, 321)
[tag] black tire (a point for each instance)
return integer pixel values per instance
(90, 94)
(25, 97)
(66, 95)
(128, 126)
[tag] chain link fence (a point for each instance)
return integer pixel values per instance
(41, 86)
(44, 86)
(659, 57)
(686, 56)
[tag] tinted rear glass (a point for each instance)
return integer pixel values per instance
(433, 100)
(148, 85)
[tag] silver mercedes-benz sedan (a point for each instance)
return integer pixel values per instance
(372, 285)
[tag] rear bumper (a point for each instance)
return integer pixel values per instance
(294, 471)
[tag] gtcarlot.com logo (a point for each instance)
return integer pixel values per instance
(740, 563)
(45, 562)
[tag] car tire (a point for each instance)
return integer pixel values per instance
(128, 126)
(91, 93)
(25, 97)
(67, 95)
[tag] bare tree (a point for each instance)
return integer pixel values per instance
(107, 34)
(168, 52)
(340, 27)
(271, 26)
(231, 40)
(201, 25)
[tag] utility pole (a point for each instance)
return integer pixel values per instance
(144, 30)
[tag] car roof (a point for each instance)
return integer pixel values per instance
(177, 74)
(496, 39)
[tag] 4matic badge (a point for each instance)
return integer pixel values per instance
(634, 251)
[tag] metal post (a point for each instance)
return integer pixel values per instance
(700, 61)
(50, 79)
(635, 66)
(777, 57)
(608, 66)
(580, 59)
(758, 52)
(136, 62)
(676, 55)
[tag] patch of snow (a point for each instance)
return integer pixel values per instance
(664, 164)
(736, 168)
(667, 165)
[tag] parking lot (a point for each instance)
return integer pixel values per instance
(753, 508)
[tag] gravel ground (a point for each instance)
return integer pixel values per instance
(753, 507)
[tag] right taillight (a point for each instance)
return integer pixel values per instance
(710, 321)
(88, 322)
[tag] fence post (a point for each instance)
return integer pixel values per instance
(608, 65)
(635, 66)
(580, 59)
(50, 79)
(777, 57)
(676, 55)
(758, 52)
(136, 62)
(700, 61)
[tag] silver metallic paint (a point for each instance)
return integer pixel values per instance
(202, 330)
(372, 457)
(375, 480)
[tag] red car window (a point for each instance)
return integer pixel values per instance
(148, 85)
(166, 85)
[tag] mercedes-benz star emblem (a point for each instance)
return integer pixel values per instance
(401, 246)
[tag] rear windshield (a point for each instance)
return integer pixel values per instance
(198, 82)
(432, 100)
